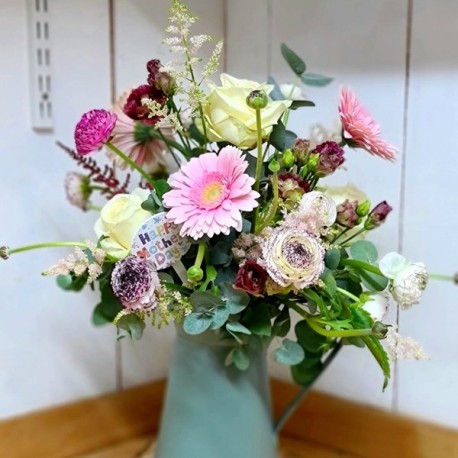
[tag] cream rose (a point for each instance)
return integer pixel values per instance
(229, 119)
(119, 220)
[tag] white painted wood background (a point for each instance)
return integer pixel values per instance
(50, 354)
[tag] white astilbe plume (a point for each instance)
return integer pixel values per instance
(400, 347)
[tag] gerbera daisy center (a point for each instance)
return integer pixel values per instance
(213, 190)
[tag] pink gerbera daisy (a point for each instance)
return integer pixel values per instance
(360, 129)
(210, 192)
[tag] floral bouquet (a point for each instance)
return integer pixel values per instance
(232, 232)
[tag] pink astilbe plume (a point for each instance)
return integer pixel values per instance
(210, 192)
(360, 128)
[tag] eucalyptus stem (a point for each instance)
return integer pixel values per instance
(129, 161)
(257, 183)
(363, 229)
(442, 277)
(337, 237)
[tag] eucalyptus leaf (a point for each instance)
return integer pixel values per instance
(329, 282)
(150, 204)
(363, 250)
(313, 79)
(308, 338)
(290, 353)
(65, 282)
(301, 103)
(276, 93)
(197, 323)
(290, 138)
(257, 319)
(235, 299)
(278, 136)
(132, 324)
(294, 61)
(204, 300)
(241, 359)
(282, 323)
(234, 326)
(220, 316)
(332, 258)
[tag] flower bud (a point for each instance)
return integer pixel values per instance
(301, 150)
(313, 161)
(331, 158)
(380, 330)
(288, 158)
(378, 215)
(274, 165)
(251, 277)
(4, 252)
(166, 83)
(257, 99)
(195, 274)
(346, 213)
(363, 208)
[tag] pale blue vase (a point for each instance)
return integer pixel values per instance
(214, 411)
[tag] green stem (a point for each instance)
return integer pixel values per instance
(37, 246)
(257, 183)
(169, 147)
(287, 112)
(348, 294)
(200, 254)
(354, 235)
(453, 278)
(273, 209)
(94, 207)
(175, 109)
(340, 235)
(339, 333)
(362, 265)
(129, 161)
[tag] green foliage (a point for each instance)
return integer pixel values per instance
(290, 353)
(235, 299)
(161, 187)
(220, 315)
(72, 282)
(221, 253)
(280, 138)
(276, 93)
(380, 356)
(197, 322)
(294, 61)
(235, 326)
(257, 319)
(130, 325)
(365, 251)
(196, 134)
(373, 282)
(150, 204)
(204, 301)
(301, 103)
(306, 372)
(313, 79)
(282, 323)
(329, 282)
(308, 338)
(332, 258)
(241, 359)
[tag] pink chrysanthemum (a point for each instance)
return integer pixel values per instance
(210, 192)
(93, 130)
(135, 139)
(360, 129)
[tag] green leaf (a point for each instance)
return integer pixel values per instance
(305, 373)
(361, 318)
(276, 93)
(241, 359)
(282, 323)
(313, 79)
(196, 323)
(161, 187)
(290, 353)
(132, 324)
(294, 61)
(308, 338)
(220, 316)
(290, 138)
(380, 355)
(301, 103)
(365, 251)
(235, 299)
(332, 258)
(65, 282)
(373, 282)
(278, 136)
(196, 134)
(329, 282)
(204, 300)
(150, 204)
(257, 320)
(105, 312)
(221, 253)
(356, 341)
(234, 326)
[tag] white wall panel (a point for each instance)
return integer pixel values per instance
(139, 30)
(428, 388)
(50, 353)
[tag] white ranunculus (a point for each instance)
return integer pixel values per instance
(228, 118)
(119, 221)
(316, 203)
(377, 306)
(409, 284)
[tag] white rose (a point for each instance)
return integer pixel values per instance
(120, 219)
(377, 306)
(229, 119)
(409, 284)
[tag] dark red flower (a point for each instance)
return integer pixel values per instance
(251, 278)
(378, 215)
(331, 157)
(136, 109)
(346, 213)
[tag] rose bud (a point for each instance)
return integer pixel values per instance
(378, 215)
(331, 157)
(346, 213)
(251, 278)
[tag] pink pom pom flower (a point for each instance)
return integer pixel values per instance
(94, 130)
(210, 192)
(360, 129)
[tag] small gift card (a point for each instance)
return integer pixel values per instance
(160, 241)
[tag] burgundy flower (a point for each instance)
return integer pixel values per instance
(136, 109)
(331, 157)
(300, 150)
(135, 283)
(378, 215)
(346, 213)
(160, 80)
(291, 187)
(93, 130)
(251, 278)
